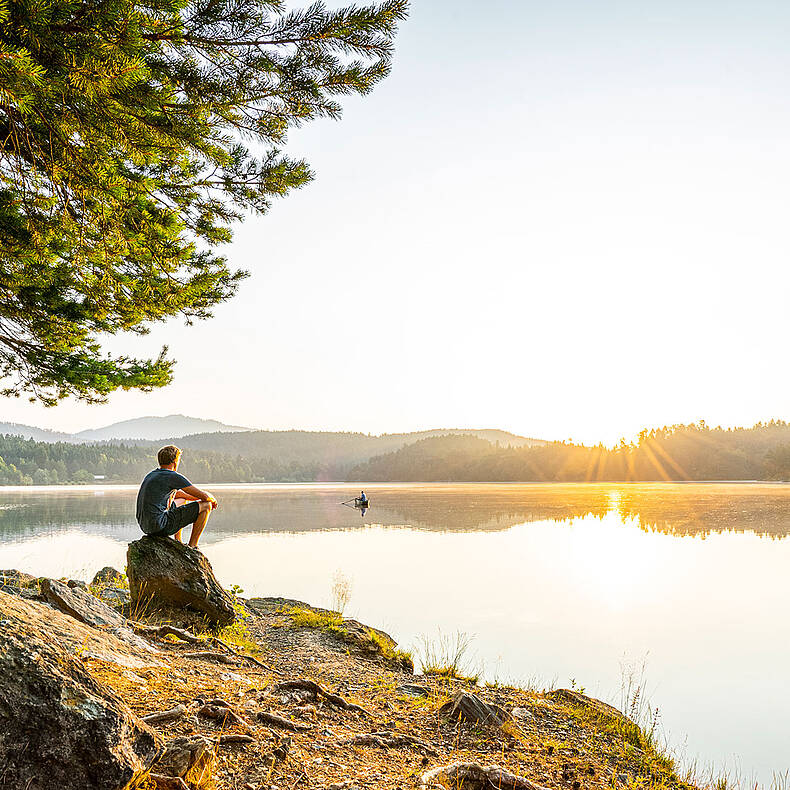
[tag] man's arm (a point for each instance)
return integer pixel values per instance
(194, 493)
(182, 493)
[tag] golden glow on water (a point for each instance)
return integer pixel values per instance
(554, 581)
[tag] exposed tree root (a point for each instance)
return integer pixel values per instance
(389, 740)
(215, 640)
(223, 714)
(235, 738)
(273, 720)
(187, 636)
(165, 715)
(319, 691)
(166, 630)
(207, 655)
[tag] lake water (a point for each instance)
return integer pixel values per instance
(557, 583)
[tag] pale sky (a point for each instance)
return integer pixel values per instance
(563, 219)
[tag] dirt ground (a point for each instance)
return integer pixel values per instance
(556, 739)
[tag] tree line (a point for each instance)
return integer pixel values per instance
(671, 453)
(27, 462)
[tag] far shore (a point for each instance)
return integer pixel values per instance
(329, 485)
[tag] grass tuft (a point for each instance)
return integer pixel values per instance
(446, 656)
(325, 621)
(381, 645)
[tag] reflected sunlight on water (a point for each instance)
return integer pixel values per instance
(554, 581)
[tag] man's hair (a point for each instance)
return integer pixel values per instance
(167, 455)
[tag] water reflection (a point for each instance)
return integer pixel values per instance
(675, 509)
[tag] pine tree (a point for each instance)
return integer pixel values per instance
(132, 136)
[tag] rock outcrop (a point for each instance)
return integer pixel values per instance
(469, 707)
(88, 609)
(369, 640)
(163, 572)
(76, 638)
(578, 700)
(59, 727)
(15, 582)
(80, 605)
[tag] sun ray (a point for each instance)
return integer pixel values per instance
(668, 458)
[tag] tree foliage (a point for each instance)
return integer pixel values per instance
(133, 133)
(26, 462)
(679, 452)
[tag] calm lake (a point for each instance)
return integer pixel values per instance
(557, 583)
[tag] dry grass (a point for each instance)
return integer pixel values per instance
(446, 655)
(311, 618)
(341, 592)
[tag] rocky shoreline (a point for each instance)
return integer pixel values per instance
(163, 686)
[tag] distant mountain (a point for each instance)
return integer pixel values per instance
(38, 434)
(331, 450)
(152, 428)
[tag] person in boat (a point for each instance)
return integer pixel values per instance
(167, 502)
(362, 499)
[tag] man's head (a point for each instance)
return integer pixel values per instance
(169, 456)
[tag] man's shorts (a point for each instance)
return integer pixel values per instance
(177, 518)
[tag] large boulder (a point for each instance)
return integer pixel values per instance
(164, 572)
(60, 727)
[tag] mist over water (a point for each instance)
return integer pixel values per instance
(555, 582)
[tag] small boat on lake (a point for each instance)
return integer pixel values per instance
(359, 502)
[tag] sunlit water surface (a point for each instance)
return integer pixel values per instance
(557, 583)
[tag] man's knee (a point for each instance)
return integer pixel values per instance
(205, 507)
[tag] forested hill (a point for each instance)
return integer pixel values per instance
(248, 457)
(27, 462)
(685, 452)
(680, 452)
(329, 449)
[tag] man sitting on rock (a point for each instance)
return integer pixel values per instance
(167, 502)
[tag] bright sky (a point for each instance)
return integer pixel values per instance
(564, 219)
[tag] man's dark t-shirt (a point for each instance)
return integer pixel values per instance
(152, 498)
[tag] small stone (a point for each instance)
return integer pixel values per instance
(184, 754)
(414, 690)
(117, 596)
(469, 707)
(108, 575)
